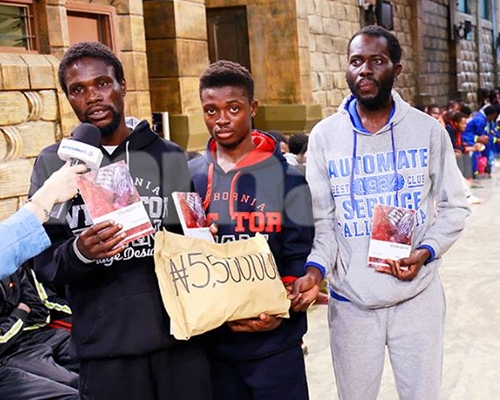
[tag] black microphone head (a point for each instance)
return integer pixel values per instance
(88, 134)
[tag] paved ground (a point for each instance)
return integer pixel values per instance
(471, 278)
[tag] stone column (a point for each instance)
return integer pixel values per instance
(176, 41)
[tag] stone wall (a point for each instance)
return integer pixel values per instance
(34, 112)
(434, 80)
(331, 24)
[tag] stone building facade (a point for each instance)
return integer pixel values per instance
(296, 50)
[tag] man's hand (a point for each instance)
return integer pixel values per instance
(101, 241)
(24, 307)
(304, 290)
(406, 269)
(484, 139)
(264, 322)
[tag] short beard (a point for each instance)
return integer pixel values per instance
(379, 100)
(110, 129)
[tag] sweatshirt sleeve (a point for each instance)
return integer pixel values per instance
(11, 326)
(450, 199)
(21, 237)
(325, 247)
(297, 228)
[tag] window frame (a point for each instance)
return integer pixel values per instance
(33, 26)
(109, 26)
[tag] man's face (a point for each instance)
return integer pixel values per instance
(461, 124)
(371, 73)
(228, 114)
(94, 94)
(435, 112)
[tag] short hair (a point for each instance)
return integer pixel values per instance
(89, 50)
(296, 142)
(488, 110)
(458, 116)
(227, 73)
(279, 136)
(393, 46)
(431, 106)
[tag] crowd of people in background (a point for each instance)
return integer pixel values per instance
(475, 136)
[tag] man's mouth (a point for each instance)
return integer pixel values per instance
(366, 84)
(97, 113)
(224, 133)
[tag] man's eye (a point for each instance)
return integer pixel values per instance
(234, 109)
(377, 61)
(102, 83)
(77, 90)
(355, 63)
(210, 111)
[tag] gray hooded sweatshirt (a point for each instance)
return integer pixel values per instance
(408, 163)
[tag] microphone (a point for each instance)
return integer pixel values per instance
(83, 148)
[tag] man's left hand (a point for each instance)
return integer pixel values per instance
(304, 290)
(406, 269)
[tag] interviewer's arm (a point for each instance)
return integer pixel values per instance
(22, 235)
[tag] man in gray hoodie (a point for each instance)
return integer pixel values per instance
(377, 149)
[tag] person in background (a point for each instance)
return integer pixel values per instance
(121, 331)
(377, 149)
(34, 356)
(22, 235)
(455, 127)
(435, 112)
(282, 140)
(477, 131)
(249, 188)
(296, 144)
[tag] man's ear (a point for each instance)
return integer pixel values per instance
(397, 69)
(254, 106)
(123, 85)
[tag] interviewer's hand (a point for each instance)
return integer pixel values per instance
(62, 183)
(59, 187)
(101, 241)
(264, 322)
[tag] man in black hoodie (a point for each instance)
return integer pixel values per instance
(248, 187)
(120, 329)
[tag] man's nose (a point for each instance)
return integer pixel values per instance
(366, 68)
(223, 119)
(93, 95)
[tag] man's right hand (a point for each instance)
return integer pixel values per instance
(24, 307)
(101, 241)
(264, 322)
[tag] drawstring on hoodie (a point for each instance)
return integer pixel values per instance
(353, 164)
(208, 194)
(127, 154)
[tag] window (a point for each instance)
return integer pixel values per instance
(484, 9)
(228, 35)
(17, 26)
(463, 6)
(91, 22)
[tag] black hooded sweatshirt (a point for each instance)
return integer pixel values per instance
(264, 194)
(116, 303)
